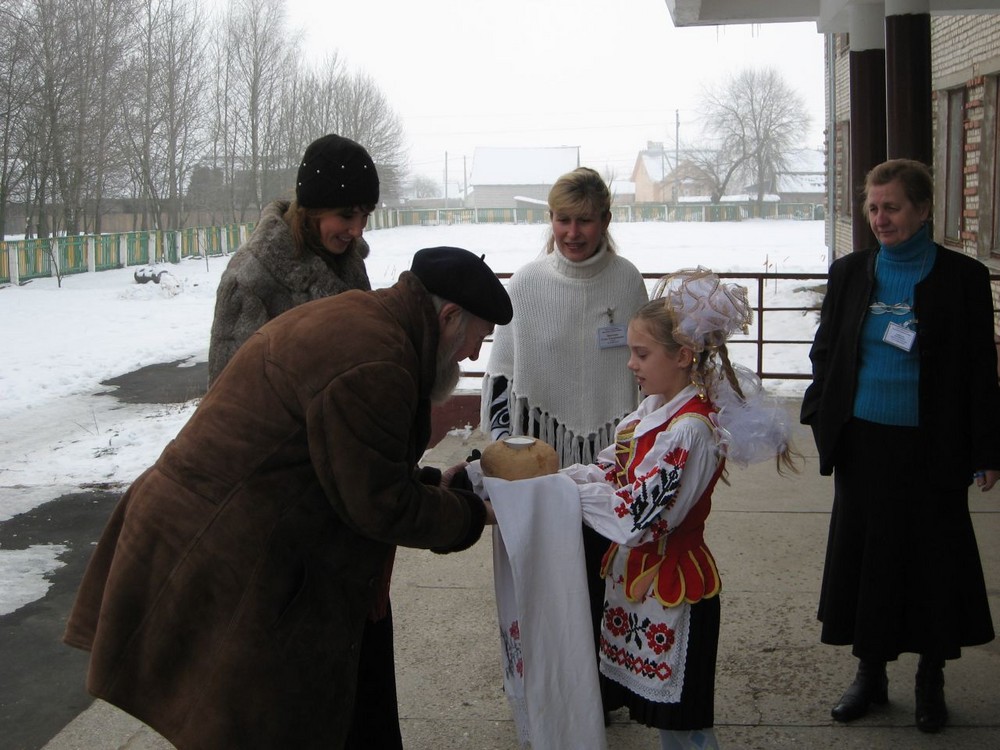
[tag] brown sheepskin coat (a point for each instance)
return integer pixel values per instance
(226, 599)
(268, 275)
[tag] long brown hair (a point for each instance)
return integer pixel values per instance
(303, 223)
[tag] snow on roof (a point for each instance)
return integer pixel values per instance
(533, 201)
(655, 164)
(806, 160)
(805, 172)
(802, 183)
(740, 198)
(621, 187)
(522, 166)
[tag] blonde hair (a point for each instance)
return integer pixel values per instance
(708, 366)
(582, 191)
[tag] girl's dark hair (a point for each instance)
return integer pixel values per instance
(303, 223)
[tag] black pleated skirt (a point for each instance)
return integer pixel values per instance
(696, 708)
(902, 572)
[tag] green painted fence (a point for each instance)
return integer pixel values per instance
(78, 254)
(81, 253)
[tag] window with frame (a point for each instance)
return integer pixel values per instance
(954, 164)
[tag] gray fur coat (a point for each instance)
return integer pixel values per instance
(268, 276)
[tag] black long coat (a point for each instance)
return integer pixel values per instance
(959, 397)
(902, 571)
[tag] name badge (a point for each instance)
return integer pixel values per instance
(899, 336)
(609, 337)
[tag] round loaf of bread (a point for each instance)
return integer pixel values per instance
(519, 458)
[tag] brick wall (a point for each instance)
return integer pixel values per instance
(958, 42)
(965, 54)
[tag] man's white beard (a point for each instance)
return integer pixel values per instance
(446, 375)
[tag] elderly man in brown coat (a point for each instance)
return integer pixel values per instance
(226, 599)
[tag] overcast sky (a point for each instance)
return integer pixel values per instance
(604, 75)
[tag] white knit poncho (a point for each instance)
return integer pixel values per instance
(549, 353)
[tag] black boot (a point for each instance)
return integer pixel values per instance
(931, 713)
(870, 686)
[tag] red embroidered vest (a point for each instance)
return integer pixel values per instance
(678, 567)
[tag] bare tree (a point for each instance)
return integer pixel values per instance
(17, 90)
(756, 118)
(329, 99)
(183, 82)
(258, 68)
(111, 99)
(714, 167)
(97, 137)
(364, 115)
(422, 186)
(48, 120)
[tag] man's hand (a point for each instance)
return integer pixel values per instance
(448, 475)
(985, 479)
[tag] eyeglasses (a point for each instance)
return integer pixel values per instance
(880, 308)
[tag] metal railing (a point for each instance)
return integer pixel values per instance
(758, 336)
(761, 289)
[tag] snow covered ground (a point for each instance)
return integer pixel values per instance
(57, 433)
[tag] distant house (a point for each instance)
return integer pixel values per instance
(658, 180)
(622, 192)
(449, 196)
(804, 179)
(503, 177)
(649, 173)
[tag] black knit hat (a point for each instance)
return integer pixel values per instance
(464, 278)
(335, 172)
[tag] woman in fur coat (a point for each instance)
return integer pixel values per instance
(300, 251)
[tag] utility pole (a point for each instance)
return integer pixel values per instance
(677, 151)
(446, 180)
(663, 171)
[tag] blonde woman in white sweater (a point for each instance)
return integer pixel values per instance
(558, 370)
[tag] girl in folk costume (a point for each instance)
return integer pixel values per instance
(651, 492)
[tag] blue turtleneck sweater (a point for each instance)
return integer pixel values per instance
(888, 377)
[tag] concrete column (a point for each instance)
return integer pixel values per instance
(868, 119)
(908, 80)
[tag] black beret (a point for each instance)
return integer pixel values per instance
(464, 278)
(336, 172)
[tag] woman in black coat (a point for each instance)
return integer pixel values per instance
(905, 408)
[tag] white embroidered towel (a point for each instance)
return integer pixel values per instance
(547, 642)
